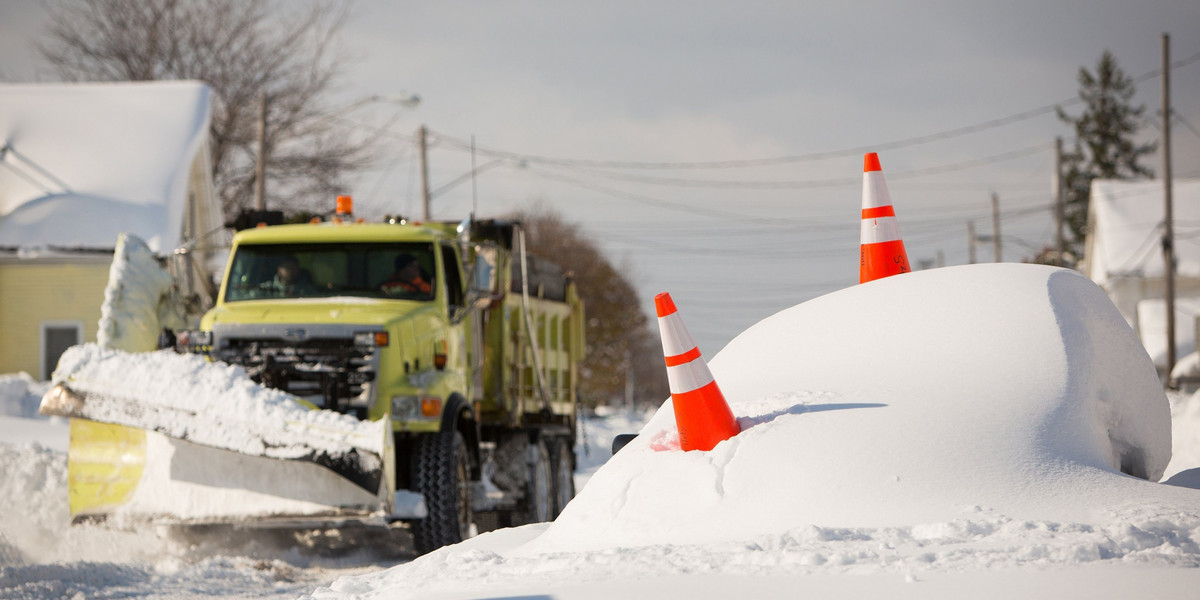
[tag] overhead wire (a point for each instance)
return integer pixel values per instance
(772, 161)
(582, 174)
(823, 183)
(814, 156)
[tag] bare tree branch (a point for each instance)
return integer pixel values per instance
(239, 48)
(618, 335)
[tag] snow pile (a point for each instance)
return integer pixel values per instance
(970, 418)
(210, 403)
(594, 435)
(133, 312)
(35, 490)
(35, 526)
(20, 395)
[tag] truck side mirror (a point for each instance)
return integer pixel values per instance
(483, 277)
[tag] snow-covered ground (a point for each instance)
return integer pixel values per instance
(957, 432)
(43, 557)
(948, 433)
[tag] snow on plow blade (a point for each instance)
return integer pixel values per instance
(176, 438)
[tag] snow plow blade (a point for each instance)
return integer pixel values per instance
(361, 467)
(174, 438)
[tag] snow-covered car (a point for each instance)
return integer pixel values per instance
(970, 431)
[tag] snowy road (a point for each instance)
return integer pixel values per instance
(999, 476)
(43, 558)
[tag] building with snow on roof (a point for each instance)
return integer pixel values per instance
(1124, 255)
(80, 164)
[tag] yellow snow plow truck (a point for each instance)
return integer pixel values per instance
(459, 345)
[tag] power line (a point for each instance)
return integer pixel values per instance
(1185, 122)
(821, 183)
(815, 156)
(740, 217)
(780, 160)
(640, 199)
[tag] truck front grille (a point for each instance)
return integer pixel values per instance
(333, 373)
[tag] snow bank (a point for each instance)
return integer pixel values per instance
(910, 400)
(133, 313)
(594, 435)
(968, 418)
(35, 525)
(34, 487)
(20, 395)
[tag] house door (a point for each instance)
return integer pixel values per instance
(57, 336)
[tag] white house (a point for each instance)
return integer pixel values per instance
(79, 165)
(1124, 256)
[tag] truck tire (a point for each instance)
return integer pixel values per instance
(539, 491)
(441, 472)
(562, 464)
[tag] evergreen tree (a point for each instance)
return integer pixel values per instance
(1104, 146)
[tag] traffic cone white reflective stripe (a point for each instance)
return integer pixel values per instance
(881, 250)
(689, 375)
(701, 413)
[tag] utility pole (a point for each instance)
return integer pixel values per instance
(421, 134)
(1059, 201)
(629, 374)
(971, 245)
(1168, 241)
(996, 227)
(260, 163)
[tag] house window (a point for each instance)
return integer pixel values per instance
(56, 337)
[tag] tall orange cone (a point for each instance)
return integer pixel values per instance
(701, 413)
(881, 252)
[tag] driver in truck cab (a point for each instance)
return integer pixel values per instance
(406, 279)
(290, 279)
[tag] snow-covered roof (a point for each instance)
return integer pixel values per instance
(1126, 237)
(81, 163)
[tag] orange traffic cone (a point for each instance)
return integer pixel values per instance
(701, 413)
(881, 252)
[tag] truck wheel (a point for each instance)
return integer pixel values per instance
(441, 472)
(539, 500)
(562, 463)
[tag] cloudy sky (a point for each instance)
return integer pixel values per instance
(715, 149)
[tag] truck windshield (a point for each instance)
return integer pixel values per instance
(368, 270)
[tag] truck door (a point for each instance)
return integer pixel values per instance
(463, 326)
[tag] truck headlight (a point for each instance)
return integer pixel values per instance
(416, 408)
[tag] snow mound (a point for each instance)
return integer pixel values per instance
(912, 399)
(968, 418)
(133, 309)
(20, 395)
(35, 526)
(34, 484)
